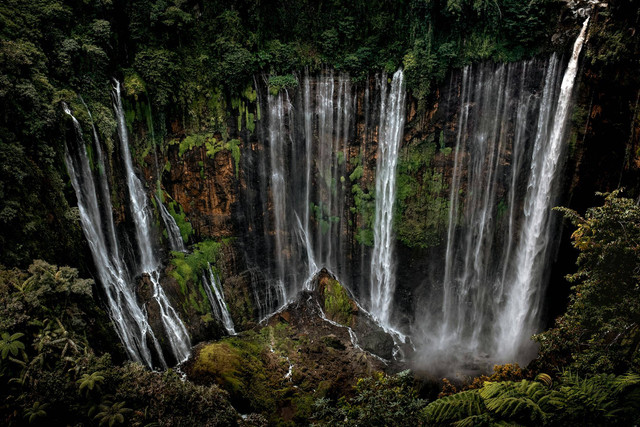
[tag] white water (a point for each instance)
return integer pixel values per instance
(177, 335)
(277, 106)
(390, 134)
(520, 315)
(312, 142)
(216, 298)
(508, 152)
(128, 317)
(173, 231)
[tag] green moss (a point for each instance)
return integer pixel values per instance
(188, 270)
(237, 365)
(176, 211)
(234, 147)
(337, 304)
(250, 94)
(212, 146)
(422, 208)
(364, 208)
(189, 143)
(217, 119)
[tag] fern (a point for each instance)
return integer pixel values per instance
(456, 407)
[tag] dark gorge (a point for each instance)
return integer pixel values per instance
(278, 214)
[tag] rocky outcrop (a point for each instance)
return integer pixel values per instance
(298, 355)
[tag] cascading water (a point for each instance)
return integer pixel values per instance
(173, 231)
(508, 151)
(389, 137)
(520, 316)
(277, 106)
(175, 330)
(129, 319)
(216, 298)
(311, 139)
(306, 171)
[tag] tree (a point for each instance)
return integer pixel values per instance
(600, 331)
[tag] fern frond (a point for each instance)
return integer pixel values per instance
(454, 408)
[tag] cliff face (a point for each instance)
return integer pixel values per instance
(223, 183)
(206, 187)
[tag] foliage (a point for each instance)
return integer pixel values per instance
(363, 209)
(10, 344)
(379, 400)
(236, 365)
(90, 382)
(49, 371)
(572, 401)
(212, 146)
(111, 414)
(183, 62)
(278, 83)
(180, 217)
(600, 332)
(422, 209)
(190, 266)
(188, 272)
(506, 372)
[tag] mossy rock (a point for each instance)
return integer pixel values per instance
(337, 304)
(236, 365)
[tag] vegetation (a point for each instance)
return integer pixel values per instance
(268, 372)
(364, 204)
(378, 400)
(184, 63)
(53, 364)
(188, 70)
(422, 210)
(188, 271)
(178, 214)
(573, 401)
(337, 304)
(600, 332)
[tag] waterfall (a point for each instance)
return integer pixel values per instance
(128, 317)
(390, 132)
(277, 106)
(520, 317)
(216, 298)
(508, 151)
(306, 137)
(173, 231)
(313, 145)
(175, 330)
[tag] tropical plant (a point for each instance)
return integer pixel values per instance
(111, 413)
(10, 344)
(36, 411)
(600, 332)
(603, 399)
(90, 382)
(379, 400)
